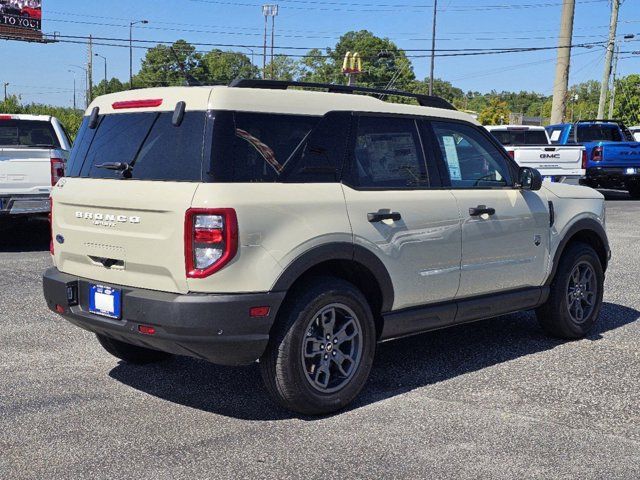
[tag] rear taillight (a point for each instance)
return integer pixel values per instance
(57, 170)
(584, 159)
(51, 248)
(210, 240)
(596, 154)
(512, 154)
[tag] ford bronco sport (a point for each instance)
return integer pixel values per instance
(300, 228)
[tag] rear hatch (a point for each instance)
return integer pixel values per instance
(119, 216)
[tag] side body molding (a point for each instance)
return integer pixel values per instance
(339, 251)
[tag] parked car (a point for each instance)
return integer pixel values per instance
(613, 156)
(33, 152)
(635, 131)
(35, 13)
(530, 146)
(300, 228)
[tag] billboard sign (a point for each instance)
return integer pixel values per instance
(20, 18)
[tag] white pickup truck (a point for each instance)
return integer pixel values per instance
(33, 153)
(530, 146)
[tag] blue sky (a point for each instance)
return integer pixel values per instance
(40, 73)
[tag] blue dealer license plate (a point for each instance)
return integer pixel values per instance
(105, 301)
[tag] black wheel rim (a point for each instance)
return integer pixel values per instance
(332, 348)
(582, 290)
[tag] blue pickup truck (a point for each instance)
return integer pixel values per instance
(612, 156)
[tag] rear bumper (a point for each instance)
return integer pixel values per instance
(13, 205)
(217, 328)
(612, 176)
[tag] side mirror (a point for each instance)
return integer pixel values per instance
(530, 179)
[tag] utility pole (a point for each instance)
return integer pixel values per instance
(613, 26)
(90, 71)
(561, 83)
(5, 91)
(612, 100)
(433, 45)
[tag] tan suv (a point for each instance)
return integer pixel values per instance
(300, 228)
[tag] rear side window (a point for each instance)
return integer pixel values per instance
(149, 142)
(258, 147)
(388, 154)
(28, 133)
(520, 137)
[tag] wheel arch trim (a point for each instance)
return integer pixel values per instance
(582, 225)
(339, 251)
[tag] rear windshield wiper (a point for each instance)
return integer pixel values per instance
(123, 167)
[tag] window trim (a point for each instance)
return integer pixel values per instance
(512, 166)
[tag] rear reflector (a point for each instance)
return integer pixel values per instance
(512, 154)
(259, 311)
(59, 309)
(146, 330)
(154, 102)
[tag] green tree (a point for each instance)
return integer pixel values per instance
(496, 112)
(223, 67)
(162, 65)
(627, 101)
(282, 68)
(316, 66)
(112, 86)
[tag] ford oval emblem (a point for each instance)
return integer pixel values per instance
(59, 239)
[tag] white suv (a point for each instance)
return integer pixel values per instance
(300, 228)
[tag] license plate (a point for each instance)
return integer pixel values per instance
(105, 301)
(551, 179)
(631, 171)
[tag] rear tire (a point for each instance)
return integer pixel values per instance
(321, 348)
(131, 353)
(575, 300)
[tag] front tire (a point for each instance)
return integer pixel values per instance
(131, 353)
(322, 348)
(575, 300)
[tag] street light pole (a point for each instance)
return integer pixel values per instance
(106, 83)
(74, 88)
(131, 24)
(86, 81)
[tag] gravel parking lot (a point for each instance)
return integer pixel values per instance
(495, 399)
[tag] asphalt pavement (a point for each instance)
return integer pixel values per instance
(495, 399)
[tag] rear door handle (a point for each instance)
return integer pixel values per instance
(481, 210)
(383, 214)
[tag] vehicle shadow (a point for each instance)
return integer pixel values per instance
(31, 235)
(616, 195)
(400, 366)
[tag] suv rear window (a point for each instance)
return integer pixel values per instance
(149, 142)
(28, 133)
(521, 137)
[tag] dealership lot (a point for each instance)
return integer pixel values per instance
(495, 399)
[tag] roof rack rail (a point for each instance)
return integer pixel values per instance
(423, 100)
(599, 120)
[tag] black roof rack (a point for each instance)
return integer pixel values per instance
(423, 100)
